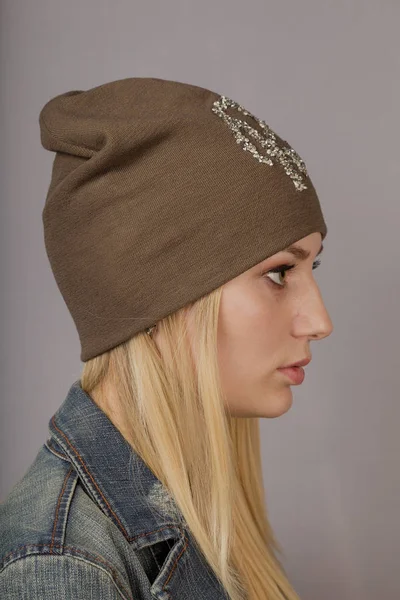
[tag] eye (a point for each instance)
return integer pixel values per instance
(281, 270)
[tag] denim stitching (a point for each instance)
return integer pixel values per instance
(54, 451)
(130, 539)
(68, 475)
(176, 561)
(90, 475)
(73, 551)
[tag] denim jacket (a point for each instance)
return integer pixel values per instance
(89, 521)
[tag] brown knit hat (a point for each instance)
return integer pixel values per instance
(161, 192)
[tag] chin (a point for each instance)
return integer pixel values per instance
(277, 403)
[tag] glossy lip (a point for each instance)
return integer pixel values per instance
(295, 374)
(300, 363)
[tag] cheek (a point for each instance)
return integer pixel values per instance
(250, 339)
(251, 322)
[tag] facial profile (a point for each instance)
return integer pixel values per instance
(268, 316)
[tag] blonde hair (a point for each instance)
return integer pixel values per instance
(209, 461)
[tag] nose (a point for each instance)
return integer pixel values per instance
(314, 321)
(325, 329)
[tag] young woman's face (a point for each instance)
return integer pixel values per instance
(267, 321)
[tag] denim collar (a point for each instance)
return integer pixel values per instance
(114, 476)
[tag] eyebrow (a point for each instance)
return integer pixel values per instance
(299, 252)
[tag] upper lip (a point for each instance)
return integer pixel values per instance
(300, 363)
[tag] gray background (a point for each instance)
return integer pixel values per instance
(325, 76)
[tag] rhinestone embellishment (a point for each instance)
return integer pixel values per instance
(266, 138)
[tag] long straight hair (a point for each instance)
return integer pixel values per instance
(175, 418)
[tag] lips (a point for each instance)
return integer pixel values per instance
(295, 374)
(300, 363)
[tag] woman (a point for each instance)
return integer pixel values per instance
(182, 233)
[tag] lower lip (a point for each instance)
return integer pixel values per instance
(295, 374)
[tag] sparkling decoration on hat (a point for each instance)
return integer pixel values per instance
(266, 138)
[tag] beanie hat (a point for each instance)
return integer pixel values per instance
(162, 191)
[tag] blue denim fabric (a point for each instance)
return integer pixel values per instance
(89, 520)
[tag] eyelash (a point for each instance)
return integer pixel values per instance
(283, 268)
